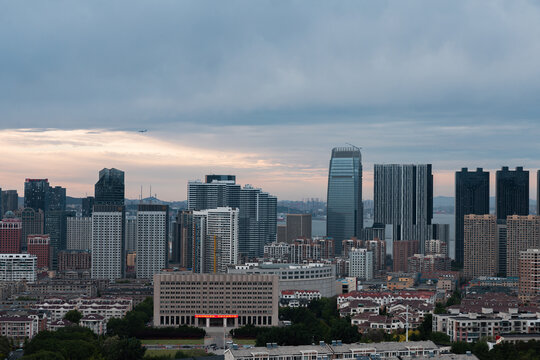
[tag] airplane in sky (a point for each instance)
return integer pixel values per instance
(143, 130)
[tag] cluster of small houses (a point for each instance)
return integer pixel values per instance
(366, 308)
(49, 315)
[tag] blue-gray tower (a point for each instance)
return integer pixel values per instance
(344, 210)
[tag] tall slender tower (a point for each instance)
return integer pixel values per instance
(472, 197)
(108, 226)
(512, 192)
(344, 210)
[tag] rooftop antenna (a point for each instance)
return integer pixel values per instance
(354, 146)
(140, 197)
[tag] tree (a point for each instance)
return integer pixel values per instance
(461, 347)
(44, 355)
(116, 348)
(440, 338)
(5, 347)
(73, 316)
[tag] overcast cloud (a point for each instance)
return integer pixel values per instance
(273, 84)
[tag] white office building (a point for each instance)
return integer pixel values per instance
(108, 242)
(152, 235)
(79, 233)
(16, 267)
(361, 264)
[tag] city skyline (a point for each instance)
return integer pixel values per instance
(81, 183)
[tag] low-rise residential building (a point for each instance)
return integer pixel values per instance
(19, 327)
(108, 308)
(387, 297)
(353, 307)
(337, 351)
(487, 315)
(298, 298)
(95, 322)
(17, 267)
(400, 281)
(57, 324)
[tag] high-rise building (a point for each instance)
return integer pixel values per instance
(152, 238)
(56, 228)
(182, 249)
(10, 201)
(436, 247)
(216, 239)
(109, 190)
(35, 193)
(39, 245)
(79, 233)
(55, 199)
(522, 233)
(33, 222)
(378, 248)
(480, 245)
(131, 233)
(10, 234)
(108, 255)
(307, 250)
(87, 206)
(212, 195)
(512, 192)
(402, 250)
(419, 263)
(211, 178)
(257, 211)
(298, 226)
(344, 210)
(281, 233)
(403, 198)
(529, 274)
(361, 264)
(472, 197)
(502, 246)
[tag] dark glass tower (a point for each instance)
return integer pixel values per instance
(472, 198)
(109, 189)
(35, 193)
(55, 199)
(182, 246)
(87, 205)
(344, 211)
(512, 192)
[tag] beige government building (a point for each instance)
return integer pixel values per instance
(207, 300)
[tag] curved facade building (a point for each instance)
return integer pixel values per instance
(344, 212)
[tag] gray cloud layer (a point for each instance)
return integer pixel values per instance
(454, 83)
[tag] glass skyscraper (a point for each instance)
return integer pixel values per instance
(472, 198)
(344, 212)
(35, 193)
(109, 189)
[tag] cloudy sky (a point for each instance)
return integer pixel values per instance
(264, 90)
